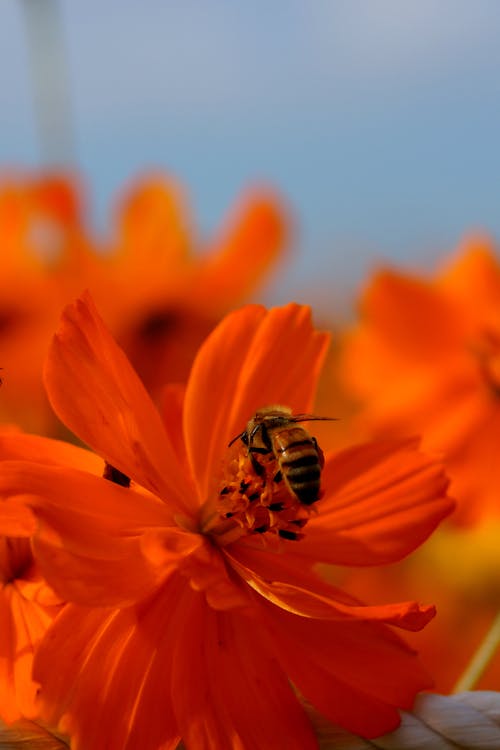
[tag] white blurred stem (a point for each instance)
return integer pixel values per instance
(481, 658)
(49, 74)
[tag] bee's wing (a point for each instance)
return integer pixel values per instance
(311, 418)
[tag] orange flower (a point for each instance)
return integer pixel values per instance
(27, 607)
(425, 359)
(27, 604)
(194, 602)
(158, 294)
(160, 297)
(39, 221)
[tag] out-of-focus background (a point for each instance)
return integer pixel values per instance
(379, 121)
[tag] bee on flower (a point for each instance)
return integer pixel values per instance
(273, 431)
(189, 615)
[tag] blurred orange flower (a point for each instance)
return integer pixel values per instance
(159, 295)
(166, 295)
(425, 359)
(194, 600)
(39, 223)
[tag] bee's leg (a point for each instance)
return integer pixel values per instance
(266, 439)
(256, 465)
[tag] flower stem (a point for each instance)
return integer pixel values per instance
(481, 658)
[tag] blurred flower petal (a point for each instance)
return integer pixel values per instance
(424, 359)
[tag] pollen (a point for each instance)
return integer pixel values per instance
(257, 504)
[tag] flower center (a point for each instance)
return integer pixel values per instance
(249, 503)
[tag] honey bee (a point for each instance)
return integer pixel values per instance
(274, 430)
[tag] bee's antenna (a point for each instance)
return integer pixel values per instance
(238, 437)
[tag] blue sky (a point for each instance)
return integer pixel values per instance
(378, 121)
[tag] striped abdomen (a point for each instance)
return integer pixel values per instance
(300, 462)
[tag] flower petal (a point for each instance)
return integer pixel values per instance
(196, 720)
(355, 673)
(97, 394)
(16, 519)
(24, 618)
(249, 361)
(475, 268)
(211, 387)
(303, 593)
(251, 695)
(395, 304)
(171, 408)
(88, 541)
(381, 501)
(8, 700)
(121, 580)
(28, 629)
(282, 365)
(73, 499)
(113, 666)
(153, 233)
(17, 445)
(237, 700)
(239, 258)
